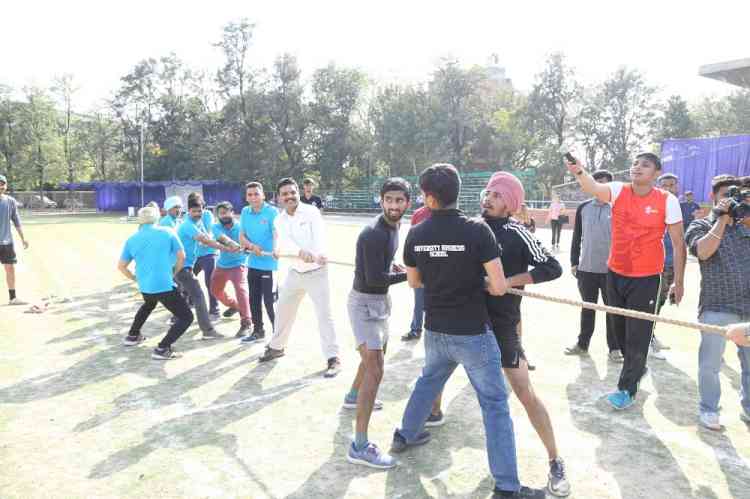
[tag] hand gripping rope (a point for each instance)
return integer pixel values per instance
(634, 314)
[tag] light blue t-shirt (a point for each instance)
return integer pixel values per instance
(208, 221)
(187, 232)
(154, 250)
(168, 221)
(229, 260)
(258, 229)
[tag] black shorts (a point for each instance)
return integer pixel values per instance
(511, 351)
(7, 254)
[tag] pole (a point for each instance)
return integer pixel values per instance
(141, 140)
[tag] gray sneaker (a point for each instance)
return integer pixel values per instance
(400, 444)
(131, 341)
(270, 354)
(576, 350)
(214, 316)
(435, 420)
(351, 403)
(616, 356)
(370, 456)
(557, 482)
(211, 335)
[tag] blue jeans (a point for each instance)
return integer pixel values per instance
(480, 356)
(418, 314)
(709, 362)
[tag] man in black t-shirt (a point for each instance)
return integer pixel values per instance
(449, 255)
(308, 185)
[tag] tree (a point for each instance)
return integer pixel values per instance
(12, 138)
(65, 89)
(336, 93)
(98, 137)
(676, 121)
(289, 114)
(39, 119)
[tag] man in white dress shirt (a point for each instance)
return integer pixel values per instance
(302, 234)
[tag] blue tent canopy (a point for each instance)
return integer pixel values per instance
(118, 196)
(697, 161)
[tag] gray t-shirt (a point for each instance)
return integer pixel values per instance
(8, 214)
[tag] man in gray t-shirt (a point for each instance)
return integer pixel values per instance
(8, 215)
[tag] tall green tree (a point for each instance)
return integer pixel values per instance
(676, 121)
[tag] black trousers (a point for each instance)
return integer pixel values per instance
(633, 335)
(556, 227)
(172, 301)
(260, 283)
(591, 285)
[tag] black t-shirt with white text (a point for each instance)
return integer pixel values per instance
(314, 200)
(450, 250)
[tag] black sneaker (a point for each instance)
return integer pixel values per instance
(524, 493)
(131, 341)
(435, 420)
(411, 336)
(230, 312)
(557, 482)
(334, 367)
(270, 354)
(256, 336)
(530, 366)
(400, 444)
(244, 329)
(164, 354)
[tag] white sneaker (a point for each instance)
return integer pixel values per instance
(17, 301)
(710, 420)
(655, 354)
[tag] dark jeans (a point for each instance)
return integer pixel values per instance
(261, 289)
(417, 317)
(190, 285)
(172, 301)
(633, 335)
(556, 230)
(207, 263)
(590, 285)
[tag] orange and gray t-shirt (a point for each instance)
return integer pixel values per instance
(8, 215)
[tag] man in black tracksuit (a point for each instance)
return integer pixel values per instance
(519, 250)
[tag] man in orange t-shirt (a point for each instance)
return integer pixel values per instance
(640, 214)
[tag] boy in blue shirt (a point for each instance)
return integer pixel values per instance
(232, 266)
(206, 257)
(257, 236)
(192, 233)
(173, 207)
(158, 255)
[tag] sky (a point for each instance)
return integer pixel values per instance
(100, 41)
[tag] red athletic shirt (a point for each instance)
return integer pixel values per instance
(638, 225)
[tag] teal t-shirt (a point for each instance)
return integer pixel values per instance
(187, 232)
(258, 229)
(229, 260)
(168, 221)
(208, 221)
(154, 250)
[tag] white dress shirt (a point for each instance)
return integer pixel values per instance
(302, 231)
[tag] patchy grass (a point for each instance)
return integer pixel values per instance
(82, 416)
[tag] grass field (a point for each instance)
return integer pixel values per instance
(82, 416)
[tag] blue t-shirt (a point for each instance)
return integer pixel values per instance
(154, 250)
(187, 232)
(229, 260)
(258, 229)
(168, 221)
(208, 221)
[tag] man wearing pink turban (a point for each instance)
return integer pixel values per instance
(520, 250)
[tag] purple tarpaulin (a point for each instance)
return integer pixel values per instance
(118, 196)
(697, 161)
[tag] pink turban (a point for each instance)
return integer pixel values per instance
(508, 187)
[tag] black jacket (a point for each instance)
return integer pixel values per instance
(519, 250)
